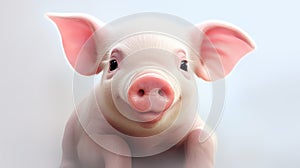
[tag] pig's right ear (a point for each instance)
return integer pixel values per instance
(79, 43)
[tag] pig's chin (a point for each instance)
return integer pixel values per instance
(153, 119)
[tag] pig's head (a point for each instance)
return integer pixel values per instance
(148, 77)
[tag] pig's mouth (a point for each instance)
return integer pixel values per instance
(150, 117)
(153, 117)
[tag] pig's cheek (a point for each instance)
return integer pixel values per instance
(171, 116)
(103, 95)
(105, 101)
(108, 75)
(188, 75)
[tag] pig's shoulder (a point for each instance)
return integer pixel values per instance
(73, 127)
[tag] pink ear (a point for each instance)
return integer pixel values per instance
(79, 45)
(221, 48)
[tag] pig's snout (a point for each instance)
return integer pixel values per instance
(150, 93)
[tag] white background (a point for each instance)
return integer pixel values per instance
(260, 126)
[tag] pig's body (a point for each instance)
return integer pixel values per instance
(143, 112)
(81, 151)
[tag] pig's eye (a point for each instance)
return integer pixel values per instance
(183, 65)
(113, 65)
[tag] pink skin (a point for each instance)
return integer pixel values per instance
(153, 98)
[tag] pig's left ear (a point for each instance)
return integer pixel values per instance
(78, 39)
(221, 47)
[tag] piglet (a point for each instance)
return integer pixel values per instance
(143, 112)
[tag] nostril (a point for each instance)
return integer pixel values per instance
(161, 93)
(141, 92)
